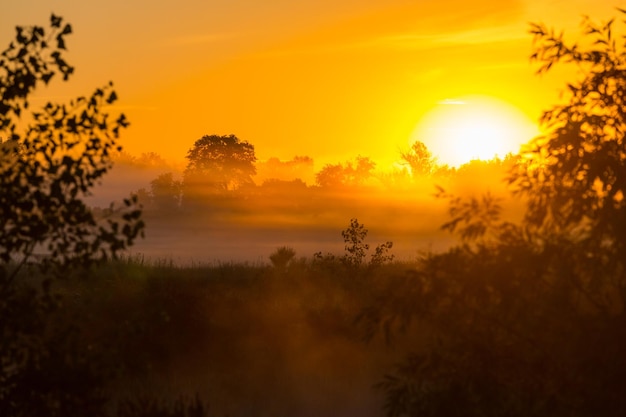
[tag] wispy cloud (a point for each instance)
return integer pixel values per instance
(199, 39)
(409, 41)
(463, 37)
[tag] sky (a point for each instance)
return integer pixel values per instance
(330, 79)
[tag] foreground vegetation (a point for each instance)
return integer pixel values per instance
(243, 339)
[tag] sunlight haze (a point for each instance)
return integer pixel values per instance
(326, 79)
(474, 127)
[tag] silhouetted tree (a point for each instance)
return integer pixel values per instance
(356, 250)
(332, 175)
(166, 192)
(45, 171)
(219, 163)
(300, 167)
(151, 160)
(351, 174)
(575, 175)
(528, 319)
(420, 159)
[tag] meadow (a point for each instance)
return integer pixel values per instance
(246, 339)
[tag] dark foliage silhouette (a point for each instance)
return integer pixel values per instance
(419, 159)
(282, 257)
(584, 148)
(356, 251)
(349, 174)
(166, 192)
(217, 164)
(528, 319)
(46, 170)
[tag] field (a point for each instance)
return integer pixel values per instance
(247, 339)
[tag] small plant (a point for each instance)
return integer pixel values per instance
(381, 254)
(356, 248)
(282, 257)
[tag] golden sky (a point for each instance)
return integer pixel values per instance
(331, 79)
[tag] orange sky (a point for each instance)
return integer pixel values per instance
(331, 79)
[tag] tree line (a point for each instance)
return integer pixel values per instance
(220, 166)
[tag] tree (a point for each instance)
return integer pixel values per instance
(419, 159)
(351, 174)
(166, 192)
(218, 164)
(528, 319)
(584, 146)
(61, 155)
(332, 175)
(49, 160)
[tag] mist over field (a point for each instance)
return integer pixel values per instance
(286, 207)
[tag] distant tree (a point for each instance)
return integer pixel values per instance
(220, 163)
(362, 169)
(300, 167)
(166, 192)
(332, 175)
(151, 160)
(352, 173)
(145, 160)
(45, 171)
(419, 159)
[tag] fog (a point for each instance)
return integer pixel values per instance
(280, 209)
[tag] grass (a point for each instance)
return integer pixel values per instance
(237, 334)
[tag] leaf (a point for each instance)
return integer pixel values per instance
(46, 77)
(112, 97)
(60, 42)
(55, 21)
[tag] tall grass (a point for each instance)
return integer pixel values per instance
(238, 335)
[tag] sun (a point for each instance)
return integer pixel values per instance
(473, 127)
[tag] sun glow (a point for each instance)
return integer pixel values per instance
(475, 127)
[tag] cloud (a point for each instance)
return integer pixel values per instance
(413, 40)
(198, 39)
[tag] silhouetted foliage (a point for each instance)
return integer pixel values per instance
(356, 250)
(575, 177)
(351, 174)
(472, 217)
(166, 192)
(528, 319)
(420, 159)
(45, 171)
(300, 167)
(218, 164)
(282, 256)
